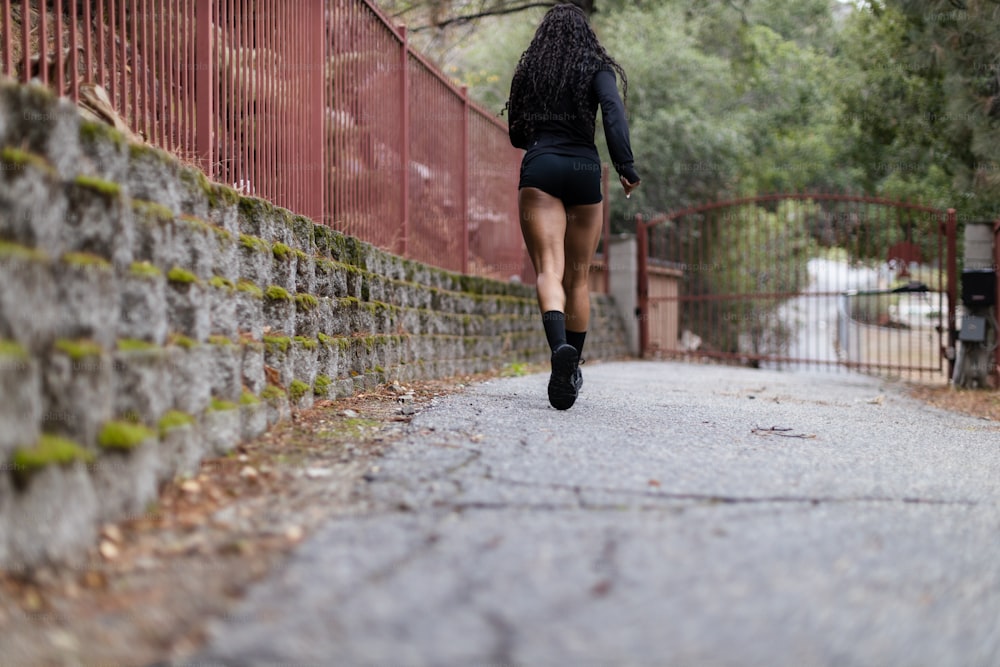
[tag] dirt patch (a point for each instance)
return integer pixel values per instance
(982, 403)
(146, 592)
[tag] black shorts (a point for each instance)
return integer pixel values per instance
(574, 180)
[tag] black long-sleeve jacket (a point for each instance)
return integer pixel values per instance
(560, 131)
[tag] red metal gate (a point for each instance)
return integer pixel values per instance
(815, 280)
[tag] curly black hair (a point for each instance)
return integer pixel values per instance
(563, 56)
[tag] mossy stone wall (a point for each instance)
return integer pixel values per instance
(150, 318)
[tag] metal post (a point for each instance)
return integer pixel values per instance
(465, 178)
(404, 150)
(642, 311)
(951, 227)
(204, 94)
(996, 306)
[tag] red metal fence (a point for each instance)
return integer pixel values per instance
(819, 280)
(320, 106)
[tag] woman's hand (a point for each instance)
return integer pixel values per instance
(628, 187)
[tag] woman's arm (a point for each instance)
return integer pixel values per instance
(615, 125)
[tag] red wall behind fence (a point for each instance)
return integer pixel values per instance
(320, 106)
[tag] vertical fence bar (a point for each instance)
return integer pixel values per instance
(25, 42)
(951, 229)
(996, 304)
(464, 201)
(642, 257)
(8, 51)
(60, 81)
(404, 65)
(204, 62)
(43, 41)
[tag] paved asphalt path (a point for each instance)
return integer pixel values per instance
(667, 519)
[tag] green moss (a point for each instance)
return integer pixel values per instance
(152, 210)
(84, 259)
(219, 340)
(297, 389)
(350, 301)
(253, 243)
(123, 435)
(321, 386)
(329, 341)
(144, 270)
(219, 282)
(344, 344)
(252, 207)
(143, 151)
(78, 350)
(134, 345)
(250, 288)
(273, 393)
(181, 340)
(219, 405)
(174, 419)
(222, 195)
(247, 398)
(12, 350)
(99, 185)
(306, 302)
(50, 450)
(10, 250)
(276, 293)
(307, 343)
(281, 251)
(181, 276)
(92, 131)
(15, 157)
(273, 343)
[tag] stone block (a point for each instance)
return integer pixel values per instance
(303, 234)
(226, 378)
(252, 367)
(142, 313)
(29, 310)
(53, 517)
(181, 450)
(305, 360)
(225, 255)
(223, 320)
(283, 267)
(249, 310)
(125, 481)
(253, 420)
(194, 243)
(45, 124)
(154, 233)
(22, 407)
(188, 307)
(142, 382)
(154, 175)
(33, 206)
(221, 428)
(194, 192)
(255, 260)
(99, 221)
(328, 357)
(77, 390)
(278, 356)
(308, 315)
(305, 274)
(190, 376)
(279, 312)
(87, 295)
(104, 152)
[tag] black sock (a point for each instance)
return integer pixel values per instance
(576, 338)
(555, 328)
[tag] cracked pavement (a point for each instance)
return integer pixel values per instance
(677, 515)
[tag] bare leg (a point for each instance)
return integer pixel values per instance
(583, 233)
(543, 224)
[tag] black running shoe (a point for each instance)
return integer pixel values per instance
(578, 376)
(562, 389)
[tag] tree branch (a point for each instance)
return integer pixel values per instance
(491, 12)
